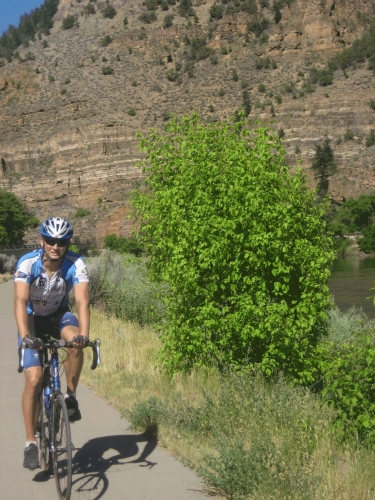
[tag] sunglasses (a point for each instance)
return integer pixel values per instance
(52, 242)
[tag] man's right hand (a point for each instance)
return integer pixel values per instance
(32, 342)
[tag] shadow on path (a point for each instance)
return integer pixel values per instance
(90, 466)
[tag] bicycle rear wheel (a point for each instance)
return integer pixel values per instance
(61, 448)
(43, 438)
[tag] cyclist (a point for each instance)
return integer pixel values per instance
(43, 280)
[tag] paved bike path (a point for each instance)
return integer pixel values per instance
(110, 462)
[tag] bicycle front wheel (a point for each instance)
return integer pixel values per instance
(43, 437)
(61, 446)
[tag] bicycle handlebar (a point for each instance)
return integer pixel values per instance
(61, 344)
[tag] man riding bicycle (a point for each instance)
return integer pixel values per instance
(43, 280)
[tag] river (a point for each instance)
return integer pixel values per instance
(350, 283)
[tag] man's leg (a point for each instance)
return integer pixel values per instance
(73, 367)
(30, 400)
(74, 362)
(30, 407)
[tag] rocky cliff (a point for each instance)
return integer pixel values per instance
(68, 123)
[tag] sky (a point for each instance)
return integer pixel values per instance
(11, 10)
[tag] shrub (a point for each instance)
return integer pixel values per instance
(214, 59)
(223, 51)
(349, 135)
(109, 12)
(120, 285)
(125, 21)
(261, 88)
(148, 17)
(151, 4)
(131, 112)
(51, 78)
(7, 263)
(349, 386)
(322, 77)
(104, 42)
(372, 104)
(216, 12)
(107, 70)
(68, 22)
(278, 99)
(234, 76)
(254, 290)
(168, 21)
(257, 27)
(370, 141)
(221, 92)
(185, 8)
(171, 75)
(81, 212)
(199, 50)
(88, 9)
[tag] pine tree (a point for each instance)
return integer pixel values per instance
(324, 166)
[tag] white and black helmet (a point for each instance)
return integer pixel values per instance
(56, 227)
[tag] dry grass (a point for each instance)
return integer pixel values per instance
(310, 454)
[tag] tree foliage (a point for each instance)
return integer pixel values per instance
(123, 245)
(354, 215)
(15, 219)
(349, 387)
(323, 166)
(240, 243)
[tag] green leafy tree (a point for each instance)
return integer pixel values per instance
(15, 219)
(241, 244)
(367, 243)
(323, 166)
(123, 245)
(354, 215)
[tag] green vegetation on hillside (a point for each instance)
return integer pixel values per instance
(38, 21)
(123, 245)
(15, 219)
(362, 50)
(241, 245)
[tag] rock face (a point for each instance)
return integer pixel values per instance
(68, 131)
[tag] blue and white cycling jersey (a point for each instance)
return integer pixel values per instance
(48, 294)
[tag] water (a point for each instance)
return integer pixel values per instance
(350, 283)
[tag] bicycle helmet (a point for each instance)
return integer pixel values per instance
(56, 227)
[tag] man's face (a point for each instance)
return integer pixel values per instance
(54, 248)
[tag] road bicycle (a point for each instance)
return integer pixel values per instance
(53, 428)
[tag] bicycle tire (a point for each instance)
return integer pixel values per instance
(43, 438)
(61, 448)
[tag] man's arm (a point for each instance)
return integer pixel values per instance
(21, 298)
(81, 294)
